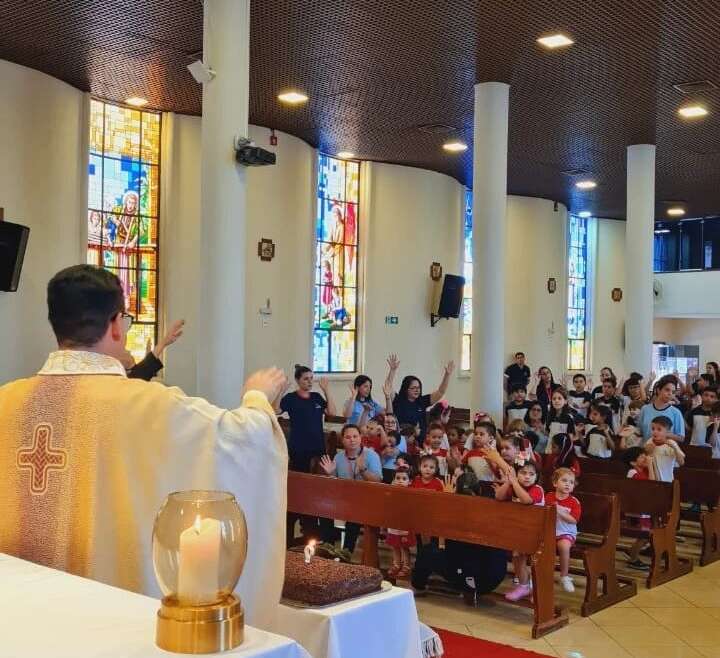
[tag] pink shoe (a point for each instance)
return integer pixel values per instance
(519, 592)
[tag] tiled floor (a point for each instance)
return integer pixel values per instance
(680, 619)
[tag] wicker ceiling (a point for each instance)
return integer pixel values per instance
(377, 70)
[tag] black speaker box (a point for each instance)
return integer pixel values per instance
(13, 240)
(451, 297)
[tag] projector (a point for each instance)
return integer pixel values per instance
(253, 156)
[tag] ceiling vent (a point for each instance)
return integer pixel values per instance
(695, 87)
(436, 128)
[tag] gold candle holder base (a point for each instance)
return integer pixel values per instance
(200, 629)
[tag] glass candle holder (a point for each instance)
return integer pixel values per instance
(199, 550)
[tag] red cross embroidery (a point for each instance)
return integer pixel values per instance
(41, 458)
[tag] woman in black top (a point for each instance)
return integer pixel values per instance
(605, 373)
(410, 405)
(545, 388)
(307, 411)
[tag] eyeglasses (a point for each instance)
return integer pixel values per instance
(413, 388)
(127, 320)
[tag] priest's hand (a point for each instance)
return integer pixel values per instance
(175, 331)
(271, 381)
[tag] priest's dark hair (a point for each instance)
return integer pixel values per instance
(82, 300)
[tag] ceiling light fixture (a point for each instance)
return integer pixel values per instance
(345, 155)
(585, 184)
(136, 101)
(584, 214)
(675, 211)
(555, 41)
(292, 97)
(455, 146)
(692, 111)
(662, 231)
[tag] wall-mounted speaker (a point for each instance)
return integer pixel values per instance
(13, 240)
(451, 298)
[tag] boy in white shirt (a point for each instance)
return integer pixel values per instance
(665, 452)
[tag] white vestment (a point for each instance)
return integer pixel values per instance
(87, 457)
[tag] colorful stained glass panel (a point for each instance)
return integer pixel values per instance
(577, 290)
(468, 274)
(124, 182)
(336, 273)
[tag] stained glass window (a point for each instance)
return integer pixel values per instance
(123, 210)
(577, 291)
(336, 273)
(468, 274)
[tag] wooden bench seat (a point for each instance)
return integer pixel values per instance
(599, 530)
(702, 486)
(660, 500)
(699, 457)
(527, 529)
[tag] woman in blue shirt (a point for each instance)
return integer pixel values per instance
(661, 406)
(353, 462)
(360, 406)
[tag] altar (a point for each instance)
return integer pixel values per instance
(48, 613)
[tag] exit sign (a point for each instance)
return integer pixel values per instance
(391, 319)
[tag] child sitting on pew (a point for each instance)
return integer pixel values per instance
(640, 467)
(484, 438)
(520, 485)
(428, 477)
(433, 446)
(456, 451)
(712, 437)
(664, 451)
(599, 439)
(563, 455)
(410, 434)
(568, 512)
(400, 540)
(630, 433)
(374, 436)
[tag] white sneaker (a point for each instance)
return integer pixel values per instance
(567, 584)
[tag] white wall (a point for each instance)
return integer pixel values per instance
(688, 295)
(608, 331)
(691, 331)
(42, 184)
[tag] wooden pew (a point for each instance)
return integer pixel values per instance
(601, 519)
(696, 486)
(699, 457)
(702, 486)
(526, 529)
(661, 500)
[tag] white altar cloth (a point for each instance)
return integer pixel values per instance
(50, 614)
(383, 625)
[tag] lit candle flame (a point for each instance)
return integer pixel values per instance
(310, 550)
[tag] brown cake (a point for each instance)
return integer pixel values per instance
(325, 581)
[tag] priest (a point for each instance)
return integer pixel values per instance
(87, 455)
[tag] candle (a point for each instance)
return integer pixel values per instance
(309, 551)
(199, 564)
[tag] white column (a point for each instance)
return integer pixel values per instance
(489, 209)
(221, 321)
(639, 257)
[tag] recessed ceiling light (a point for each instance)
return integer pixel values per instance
(292, 97)
(692, 111)
(662, 231)
(585, 184)
(555, 41)
(136, 101)
(584, 214)
(675, 211)
(345, 155)
(455, 146)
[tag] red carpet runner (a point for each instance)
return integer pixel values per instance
(464, 646)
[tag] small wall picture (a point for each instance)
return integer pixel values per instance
(552, 285)
(616, 294)
(266, 249)
(436, 271)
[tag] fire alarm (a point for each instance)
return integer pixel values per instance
(273, 137)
